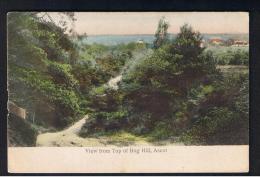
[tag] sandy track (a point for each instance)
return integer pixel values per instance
(67, 137)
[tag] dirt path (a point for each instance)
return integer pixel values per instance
(69, 137)
(112, 83)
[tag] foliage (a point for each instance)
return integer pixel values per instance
(222, 117)
(172, 90)
(89, 77)
(61, 74)
(41, 58)
(164, 79)
(161, 35)
(104, 122)
(52, 91)
(176, 91)
(90, 52)
(231, 57)
(130, 47)
(154, 93)
(111, 64)
(161, 131)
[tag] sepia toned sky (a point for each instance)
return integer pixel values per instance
(96, 23)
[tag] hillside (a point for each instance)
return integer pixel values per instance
(160, 89)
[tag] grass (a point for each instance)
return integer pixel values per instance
(220, 49)
(120, 136)
(125, 136)
(233, 68)
(100, 90)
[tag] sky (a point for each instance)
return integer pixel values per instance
(98, 23)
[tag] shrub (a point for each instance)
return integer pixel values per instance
(160, 131)
(222, 118)
(231, 57)
(104, 122)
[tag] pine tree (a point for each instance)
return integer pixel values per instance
(161, 35)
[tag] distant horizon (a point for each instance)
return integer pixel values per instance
(114, 39)
(154, 34)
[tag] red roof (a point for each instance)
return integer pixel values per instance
(216, 40)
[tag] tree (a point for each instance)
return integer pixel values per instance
(156, 90)
(40, 54)
(161, 35)
(187, 44)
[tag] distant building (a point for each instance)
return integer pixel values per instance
(140, 41)
(240, 43)
(229, 42)
(216, 41)
(203, 43)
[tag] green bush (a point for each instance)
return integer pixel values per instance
(104, 122)
(231, 57)
(61, 74)
(40, 61)
(222, 117)
(240, 58)
(161, 131)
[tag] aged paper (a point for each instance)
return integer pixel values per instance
(178, 159)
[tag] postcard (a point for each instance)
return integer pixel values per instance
(128, 92)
